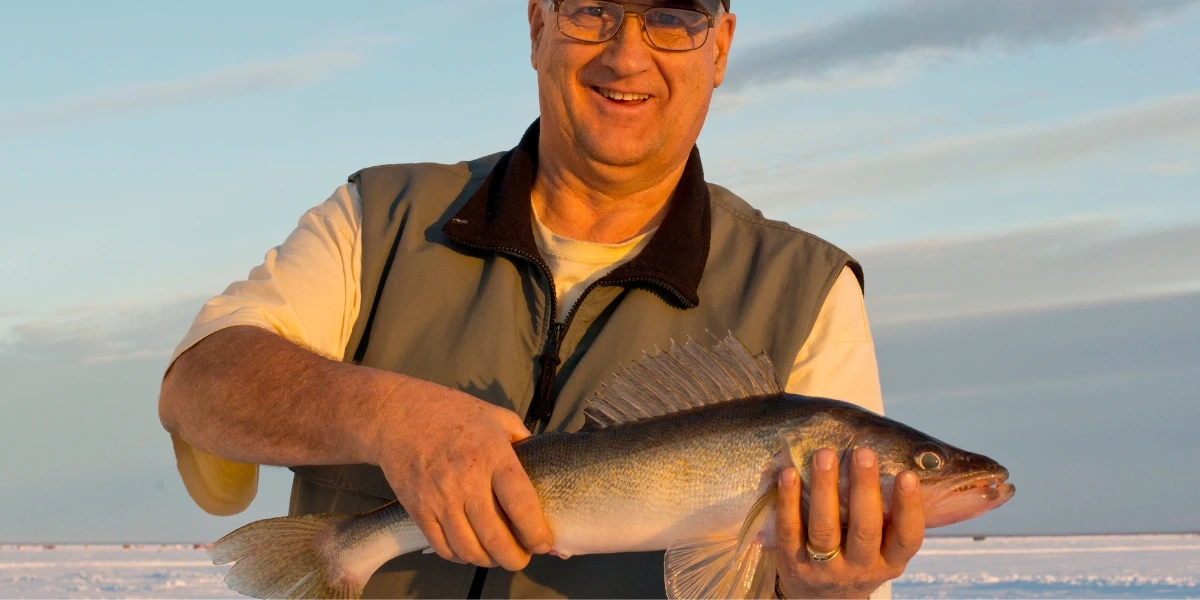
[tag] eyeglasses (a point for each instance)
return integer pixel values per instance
(669, 29)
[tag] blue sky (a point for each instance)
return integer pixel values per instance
(1020, 178)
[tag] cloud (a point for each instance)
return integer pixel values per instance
(80, 434)
(1072, 262)
(232, 82)
(733, 96)
(101, 334)
(1070, 400)
(979, 156)
(929, 31)
(1169, 169)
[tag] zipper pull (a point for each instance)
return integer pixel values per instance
(543, 406)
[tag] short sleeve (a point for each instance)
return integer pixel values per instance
(306, 289)
(838, 358)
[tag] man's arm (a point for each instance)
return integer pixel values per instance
(251, 396)
(251, 383)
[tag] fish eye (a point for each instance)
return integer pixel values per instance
(929, 461)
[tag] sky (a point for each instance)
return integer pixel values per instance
(1019, 178)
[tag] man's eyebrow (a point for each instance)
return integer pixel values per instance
(688, 4)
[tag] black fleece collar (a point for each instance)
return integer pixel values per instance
(499, 217)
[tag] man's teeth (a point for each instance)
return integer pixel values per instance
(615, 95)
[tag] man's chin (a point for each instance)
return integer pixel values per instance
(618, 152)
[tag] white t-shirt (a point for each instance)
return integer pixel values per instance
(576, 264)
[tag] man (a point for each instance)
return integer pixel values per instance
(426, 317)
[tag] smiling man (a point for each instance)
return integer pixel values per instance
(425, 317)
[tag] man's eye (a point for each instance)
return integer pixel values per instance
(662, 19)
(589, 13)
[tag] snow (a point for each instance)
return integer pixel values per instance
(1136, 566)
(110, 571)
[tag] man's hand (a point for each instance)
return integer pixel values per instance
(450, 459)
(870, 556)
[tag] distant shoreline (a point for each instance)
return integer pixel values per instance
(933, 535)
(1016, 535)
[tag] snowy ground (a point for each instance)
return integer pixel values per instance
(145, 571)
(1143, 566)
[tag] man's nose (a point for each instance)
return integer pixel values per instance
(629, 52)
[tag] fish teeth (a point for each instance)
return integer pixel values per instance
(615, 95)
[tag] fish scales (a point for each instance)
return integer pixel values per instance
(658, 478)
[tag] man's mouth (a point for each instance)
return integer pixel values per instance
(623, 97)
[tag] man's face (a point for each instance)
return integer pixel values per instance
(624, 102)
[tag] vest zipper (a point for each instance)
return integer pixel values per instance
(543, 403)
(549, 358)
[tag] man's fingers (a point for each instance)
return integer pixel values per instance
(463, 541)
(494, 535)
(788, 530)
(866, 510)
(512, 424)
(907, 530)
(432, 530)
(521, 505)
(824, 523)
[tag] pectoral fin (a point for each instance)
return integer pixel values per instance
(799, 444)
(733, 567)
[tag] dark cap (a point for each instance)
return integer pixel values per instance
(710, 6)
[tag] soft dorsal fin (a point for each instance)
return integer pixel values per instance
(683, 377)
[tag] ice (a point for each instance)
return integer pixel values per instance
(1131, 566)
(110, 571)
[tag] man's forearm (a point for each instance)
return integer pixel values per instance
(248, 395)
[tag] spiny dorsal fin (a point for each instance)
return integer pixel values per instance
(683, 377)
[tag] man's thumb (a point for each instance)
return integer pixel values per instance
(514, 426)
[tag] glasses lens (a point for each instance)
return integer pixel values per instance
(590, 20)
(676, 28)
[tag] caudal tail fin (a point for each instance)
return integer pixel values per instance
(287, 557)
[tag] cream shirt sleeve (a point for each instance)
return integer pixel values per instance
(838, 359)
(306, 290)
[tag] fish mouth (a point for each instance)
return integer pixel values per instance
(966, 497)
(982, 480)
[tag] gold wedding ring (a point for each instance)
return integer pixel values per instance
(821, 556)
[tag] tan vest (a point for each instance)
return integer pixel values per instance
(455, 292)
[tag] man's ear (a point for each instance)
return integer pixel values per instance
(537, 24)
(724, 30)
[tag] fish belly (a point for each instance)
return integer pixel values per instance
(606, 497)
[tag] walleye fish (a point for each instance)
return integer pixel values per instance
(681, 453)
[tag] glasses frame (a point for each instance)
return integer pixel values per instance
(712, 22)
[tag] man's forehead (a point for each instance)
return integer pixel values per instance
(707, 6)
